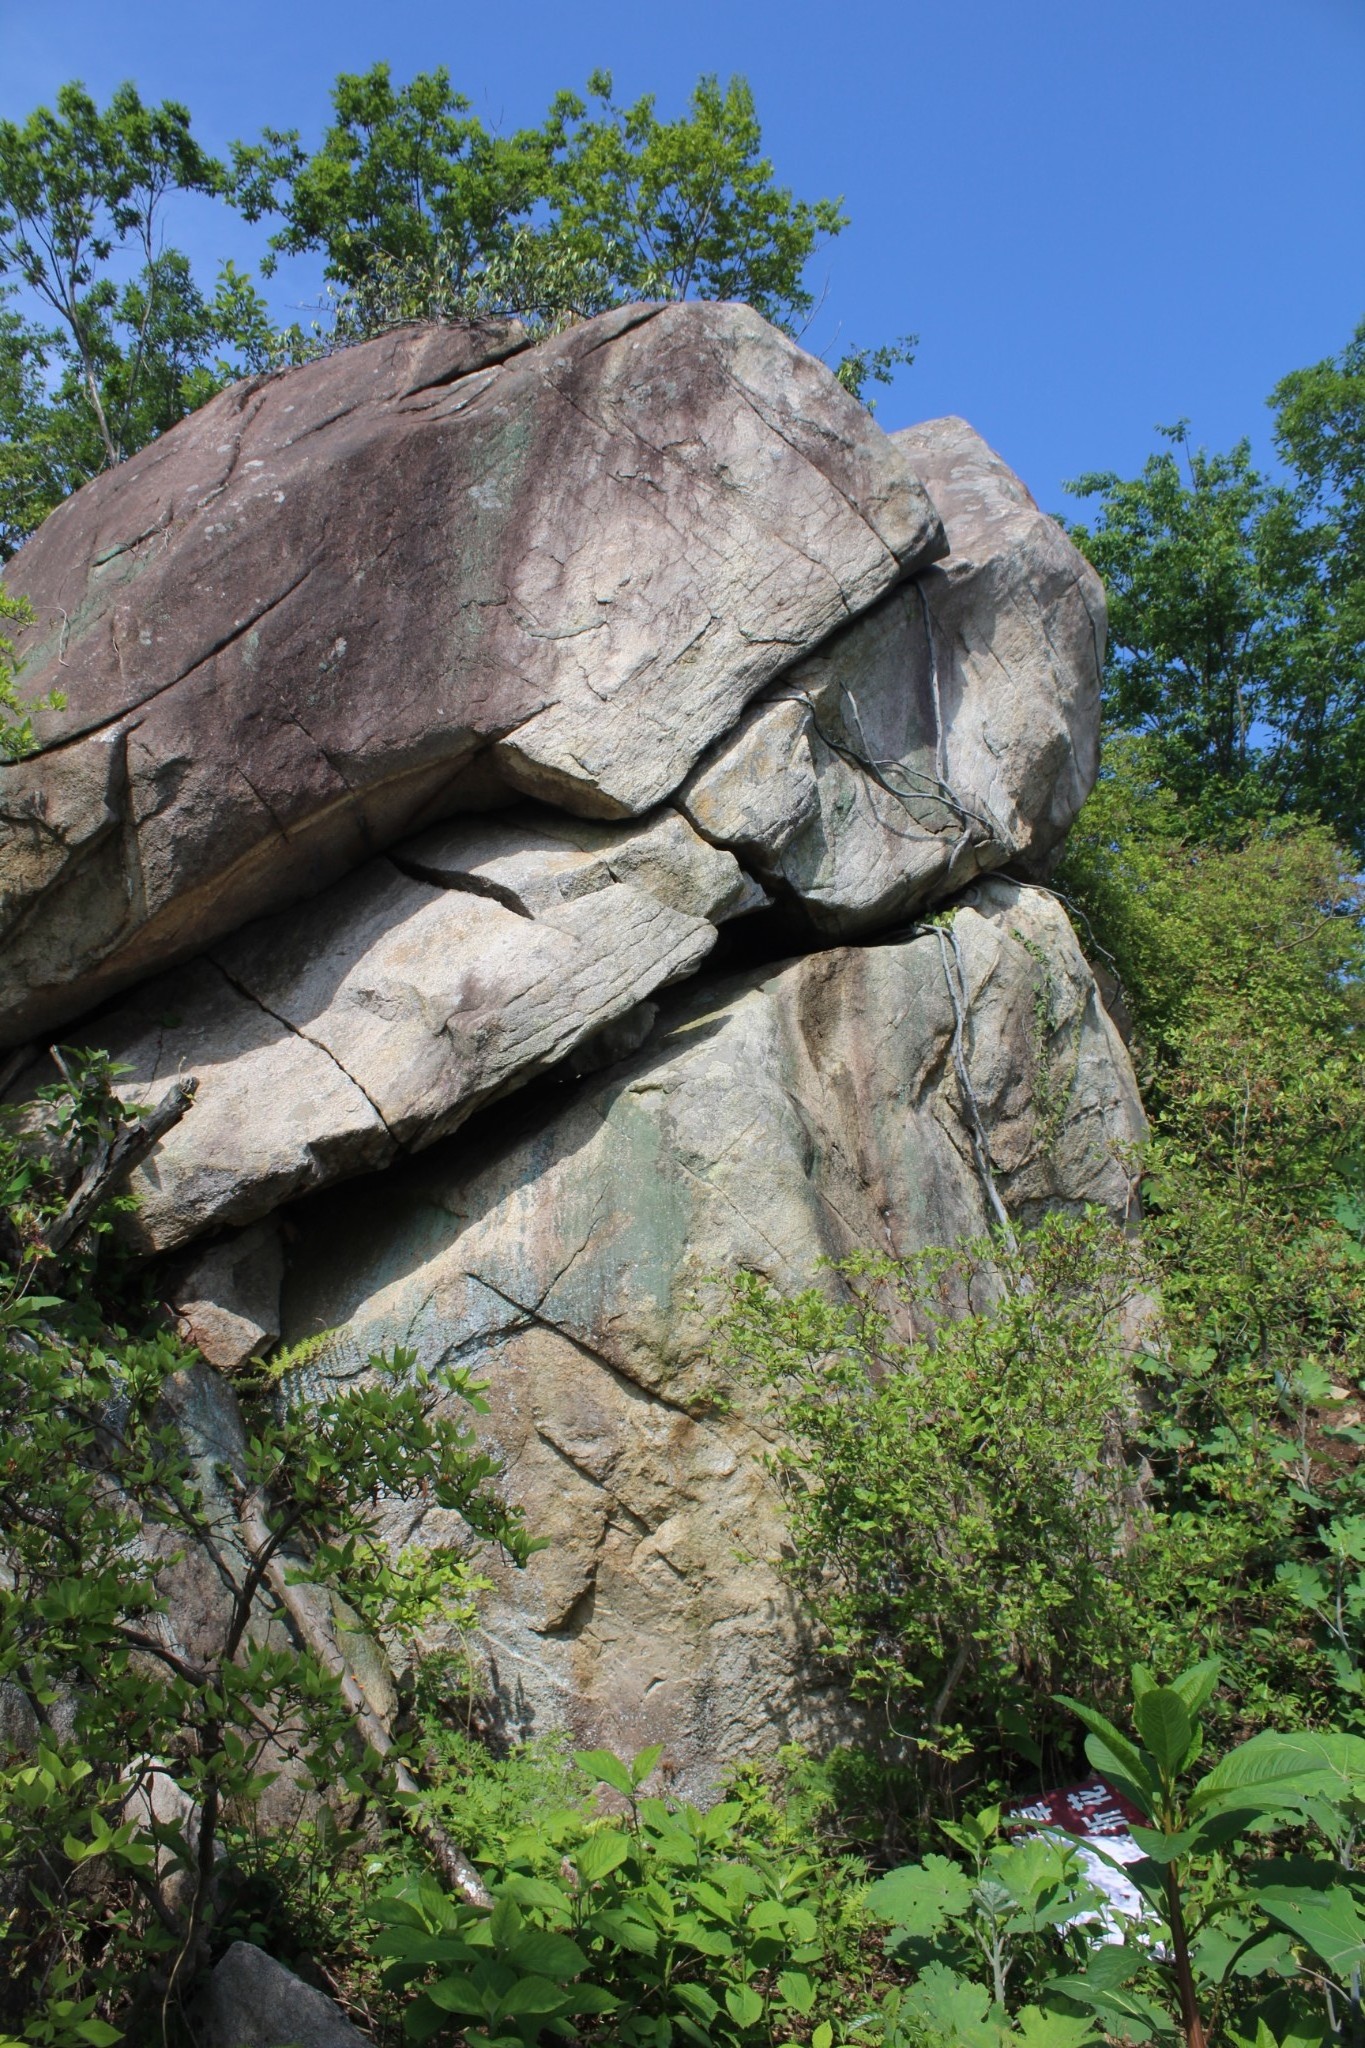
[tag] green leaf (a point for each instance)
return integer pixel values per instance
(1040, 2029)
(1276, 1770)
(708, 1941)
(600, 1855)
(98, 2033)
(797, 1990)
(1121, 1757)
(605, 1768)
(1198, 1685)
(1125, 2012)
(744, 2005)
(951, 2009)
(1164, 1724)
(698, 2002)
(644, 1763)
(823, 2037)
(457, 1994)
(921, 1896)
(532, 1997)
(1329, 1923)
(625, 1929)
(547, 1955)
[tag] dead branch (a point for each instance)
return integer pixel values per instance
(115, 1160)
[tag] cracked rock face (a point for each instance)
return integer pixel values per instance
(284, 629)
(381, 1015)
(454, 718)
(952, 728)
(774, 1119)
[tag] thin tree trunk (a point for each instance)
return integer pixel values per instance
(320, 1638)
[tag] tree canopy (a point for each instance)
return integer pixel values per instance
(416, 210)
(1237, 608)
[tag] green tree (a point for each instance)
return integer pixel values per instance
(1315, 548)
(1242, 965)
(128, 1739)
(404, 173)
(686, 208)
(112, 360)
(598, 205)
(1237, 609)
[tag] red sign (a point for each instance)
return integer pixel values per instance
(1091, 1808)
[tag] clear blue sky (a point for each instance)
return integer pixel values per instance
(1097, 214)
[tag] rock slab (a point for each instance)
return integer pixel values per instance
(951, 728)
(286, 628)
(251, 2001)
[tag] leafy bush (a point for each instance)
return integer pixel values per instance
(659, 1921)
(125, 1740)
(1241, 963)
(953, 1453)
(16, 717)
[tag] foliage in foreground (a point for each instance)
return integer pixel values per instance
(125, 1475)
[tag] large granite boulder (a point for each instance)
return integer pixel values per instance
(456, 717)
(774, 1119)
(287, 631)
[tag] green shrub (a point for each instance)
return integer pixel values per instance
(953, 1455)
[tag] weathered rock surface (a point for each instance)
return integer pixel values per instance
(530, 669)
(227, 1299)
(771, 1120)
(251, 2001)
(382, 1014)
(950, 729)
(286, 628)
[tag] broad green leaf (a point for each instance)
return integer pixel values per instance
(506, 1920)
(644, 1763)
(1164, 1724)
(708, 1941)
(797, 1990)
(1198, 1685)
(589, 1998)
(1329, 1923)
(624, 1929)
(600, 1855)
(1124, 2011)
(535, 1891)
(921, 1896)
(605, 1768)
(744, 2005)
(1127, 1754)
(1113, 1769)
(547, 1955)
(424, 2019)
(951, 2008)
(1276, 1770)
(532, 1997)
(457, 1994)
(698, 2001)
(1039, 2029)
